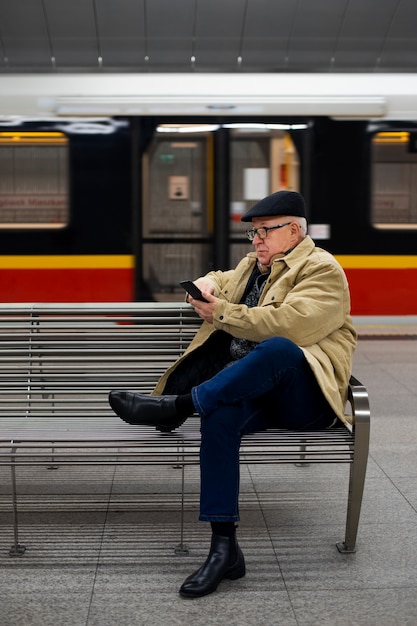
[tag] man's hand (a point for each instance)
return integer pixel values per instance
(205, 310)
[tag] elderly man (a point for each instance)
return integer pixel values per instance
(275, 350)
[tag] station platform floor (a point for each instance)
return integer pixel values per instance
(101, 544)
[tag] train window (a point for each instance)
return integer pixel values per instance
(34, 180)
(262, 161)
(175, 196)
(394, 180)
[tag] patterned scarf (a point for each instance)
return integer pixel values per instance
(241, 347)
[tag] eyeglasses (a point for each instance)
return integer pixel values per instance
(263, 231)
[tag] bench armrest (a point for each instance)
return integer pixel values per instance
(359, 401)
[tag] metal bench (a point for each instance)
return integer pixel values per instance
(58, 363)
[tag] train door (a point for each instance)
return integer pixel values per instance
(177, 209)
(182, 222)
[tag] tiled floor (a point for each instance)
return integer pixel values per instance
(110, 559)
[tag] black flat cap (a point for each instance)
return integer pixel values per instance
(279, 203)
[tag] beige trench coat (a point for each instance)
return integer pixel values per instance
(306, 299)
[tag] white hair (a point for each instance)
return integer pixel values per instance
(302, 222)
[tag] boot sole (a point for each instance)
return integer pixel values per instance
(168, 429)
(236, 573)
(232, 574)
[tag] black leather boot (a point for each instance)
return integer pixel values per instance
(225, 560)
(136, 408)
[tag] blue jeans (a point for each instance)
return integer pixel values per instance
(272, 386)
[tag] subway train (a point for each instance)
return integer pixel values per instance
(123, 208)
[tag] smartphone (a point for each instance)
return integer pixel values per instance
(193, 290)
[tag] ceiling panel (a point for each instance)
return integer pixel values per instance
(72, 32)
(169, 32)
(208, 36)
(121, 33)
(19, 38)
(267, 34)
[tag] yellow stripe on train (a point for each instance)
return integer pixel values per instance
(127, 261)
(76, 261)
(377, 261)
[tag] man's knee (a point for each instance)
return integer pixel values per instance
(280, 342)
(282, 350)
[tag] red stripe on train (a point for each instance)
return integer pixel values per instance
(66, 285)
(383, 291)
(373, 291)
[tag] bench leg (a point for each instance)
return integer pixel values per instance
(302, 462)
(52, 466)
(16, 549)
(181, 548)
(356, 487)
